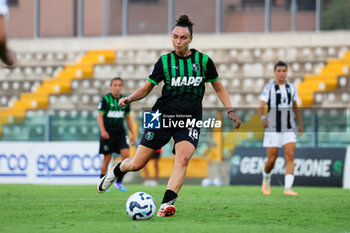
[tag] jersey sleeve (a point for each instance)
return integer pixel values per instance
(265, 94)
(102, 106)
(157, 74)
(211, 74)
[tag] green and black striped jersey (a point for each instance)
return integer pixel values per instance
(184, 81)
(113, 117)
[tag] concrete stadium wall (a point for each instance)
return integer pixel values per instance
(58, 17)
(21, 20)
(200, 41)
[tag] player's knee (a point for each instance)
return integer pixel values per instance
(136, 166)
(183, 162)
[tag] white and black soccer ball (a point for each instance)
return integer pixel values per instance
(140, 206)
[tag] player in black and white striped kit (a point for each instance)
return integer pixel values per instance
(280, 96)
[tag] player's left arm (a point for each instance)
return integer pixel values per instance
(298, 116)
(129, 122)
(225, 100)
(211, 75)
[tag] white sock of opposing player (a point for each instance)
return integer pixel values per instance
(288, 181)
(266, 177)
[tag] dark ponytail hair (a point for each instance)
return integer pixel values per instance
(184, 21)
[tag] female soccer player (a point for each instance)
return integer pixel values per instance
(110, 119)
(281, 97)
(184, 72)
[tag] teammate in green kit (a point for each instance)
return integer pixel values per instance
(111, 123)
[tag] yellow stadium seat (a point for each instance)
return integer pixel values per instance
(343, 62)
(54, 88)
(306, 96)
(347, 55)
(12, 115)
(75, 74)
(81, 70)
(309, 86)
(104, 52)
(34, 100)
(335, 69)
(56, 85)
(3, 119)
(97, 58)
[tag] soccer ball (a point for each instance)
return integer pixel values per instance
(140, 206)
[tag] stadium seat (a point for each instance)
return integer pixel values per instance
(243, 71)
(257, 53)
(97, 84)
(234, 68)
(233, 53)
(345, 97)
(331, 51)
(96, 99)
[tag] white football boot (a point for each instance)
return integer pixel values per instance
(106, 181)
(166, 210)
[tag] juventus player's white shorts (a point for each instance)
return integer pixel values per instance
(278, 139)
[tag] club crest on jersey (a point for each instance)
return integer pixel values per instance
(149, 136)
(196, 67)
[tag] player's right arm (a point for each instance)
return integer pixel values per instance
(103, 131)
(264, 98)
(155, 77)
(137, 95)
(102, 109)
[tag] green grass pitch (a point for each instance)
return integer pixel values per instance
(69, 209)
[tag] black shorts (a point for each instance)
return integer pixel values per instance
(114, 144)
(157, 138)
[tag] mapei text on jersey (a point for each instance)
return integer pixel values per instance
(186, 81)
